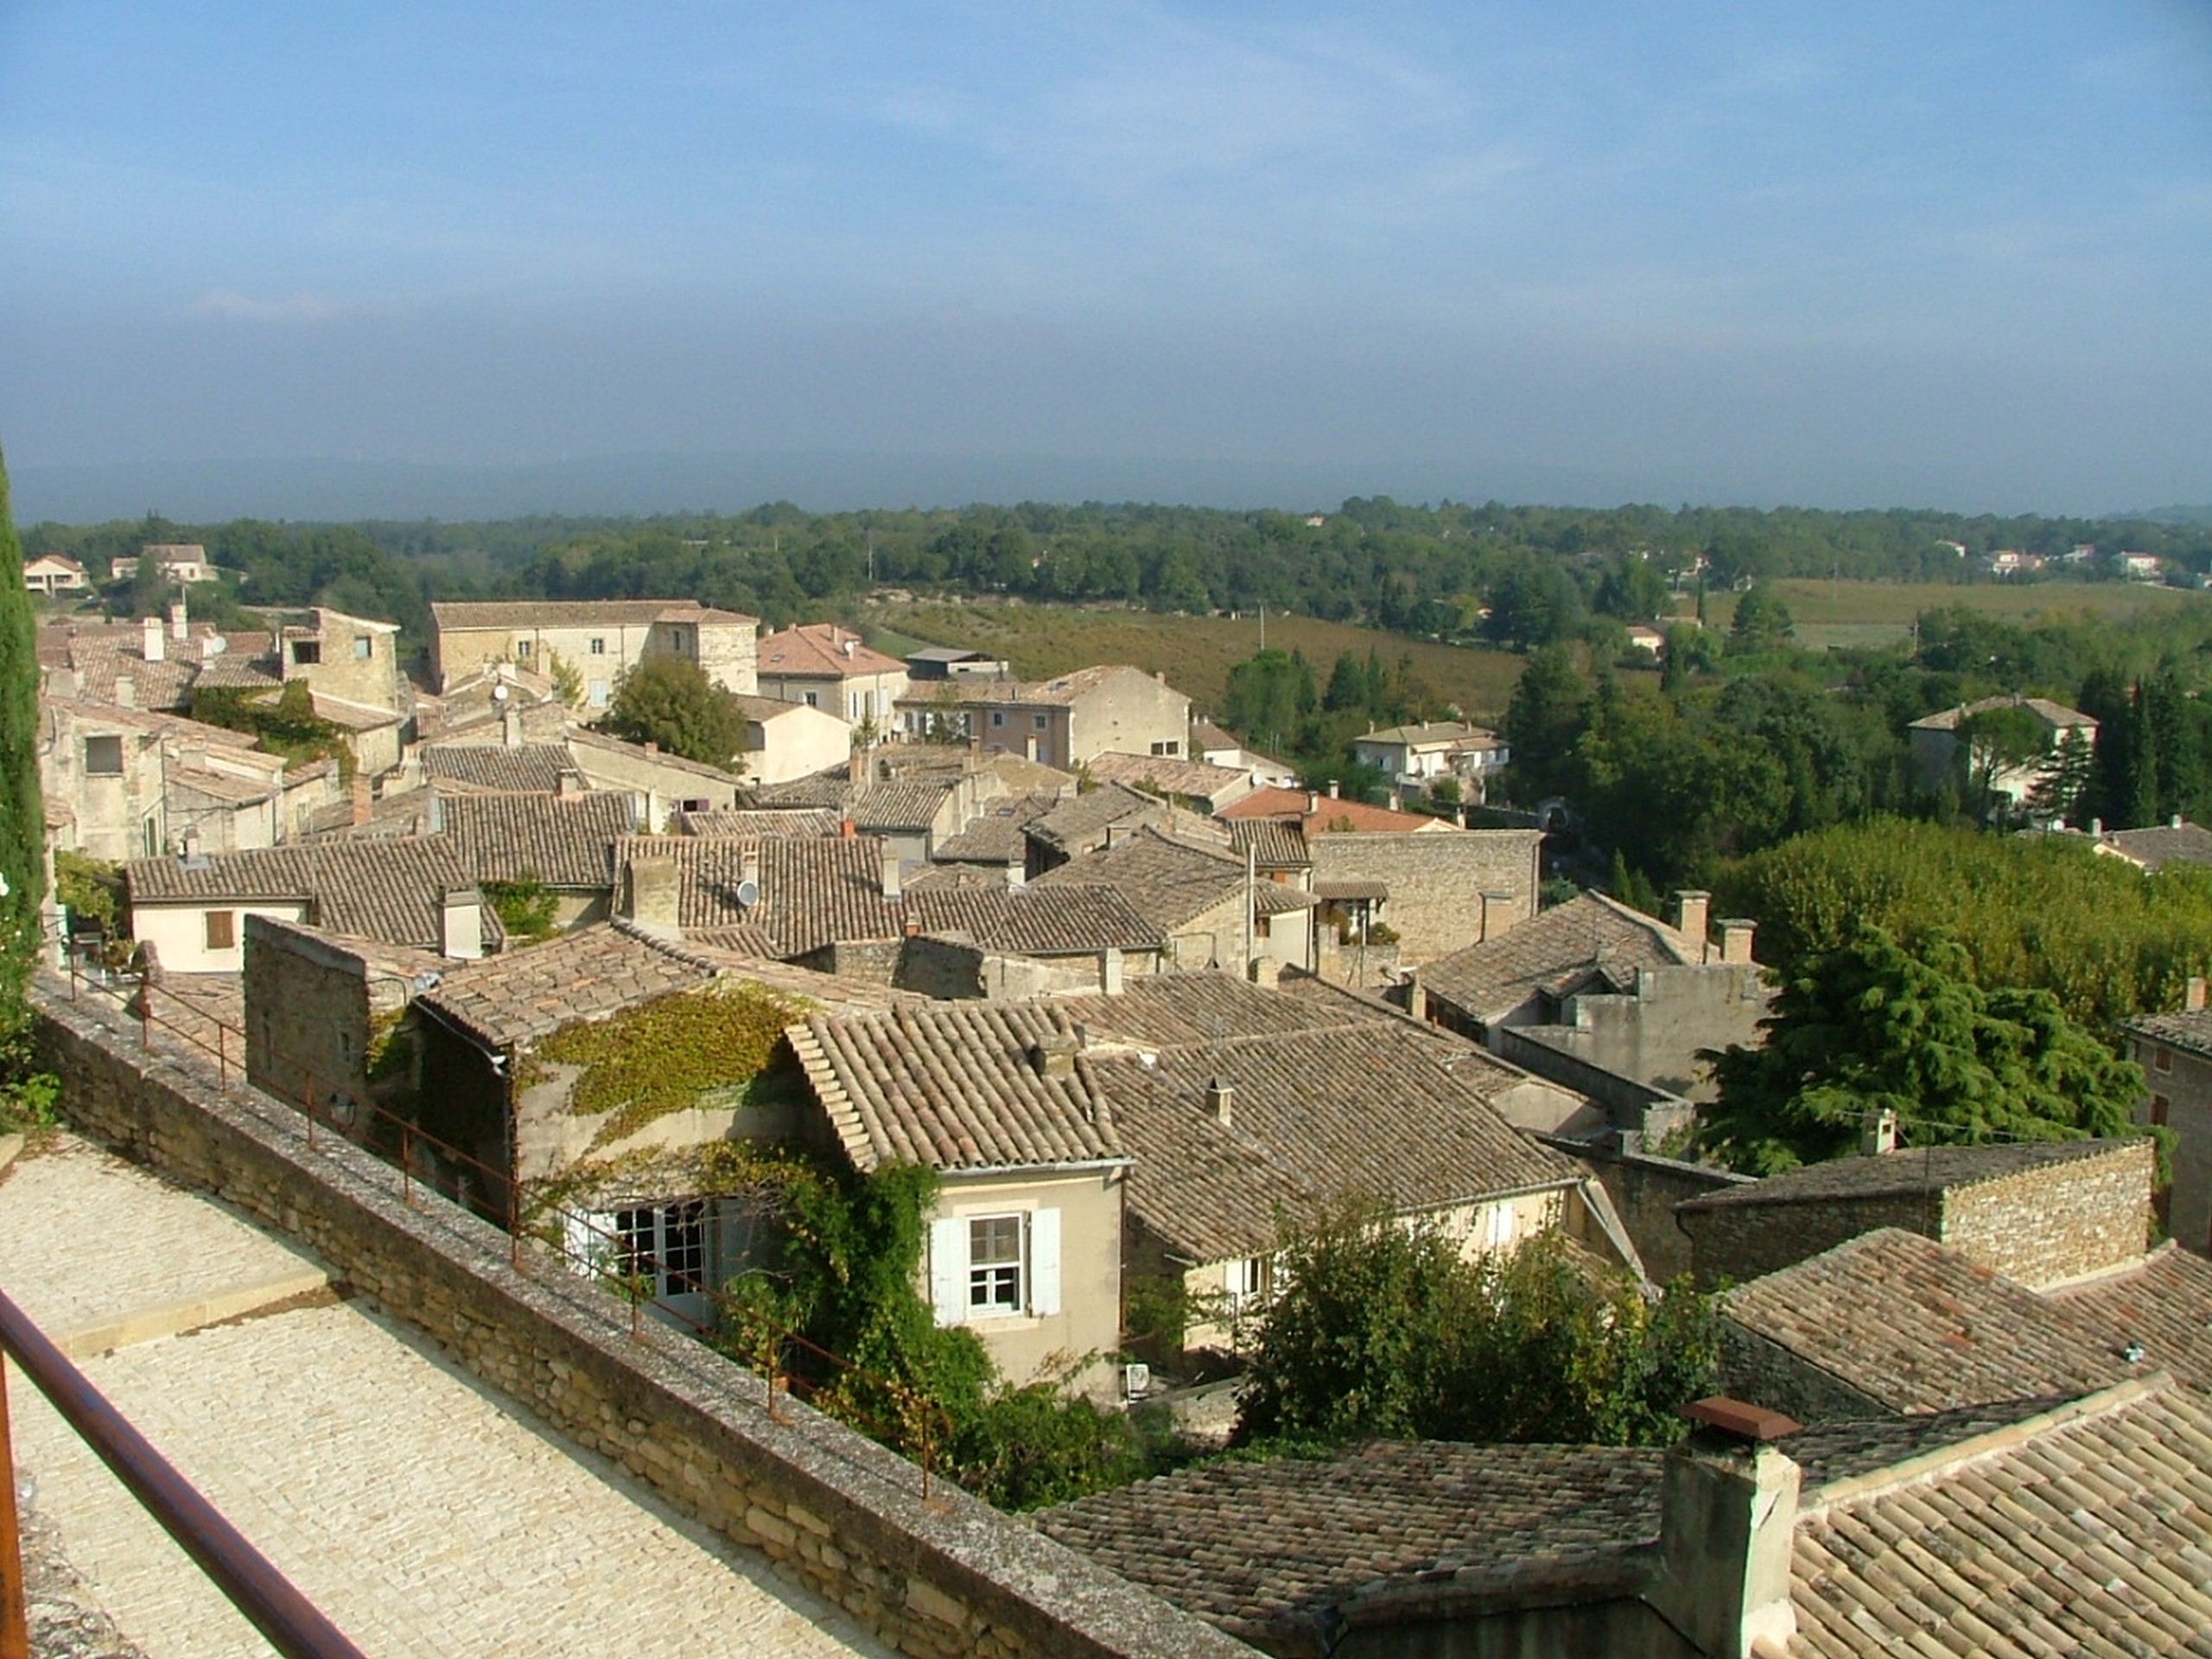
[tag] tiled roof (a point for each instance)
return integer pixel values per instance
(1556, 952)
(230, 673)
(1279, 899)
(561, 840)
(2051, 714)
(831, 788)
(392, 890)
(1274, 843)
(524, 995)
(1274, 1547)
(873, 807)
(1375, 1110)
(1850, 1450)
(352, 716)
(231, 787)
(1163, 1010)
(1072, 822)
(1078, 683)
(1165, 774)
(996, 836)
(1329, 814)
(812, 893)
(796, 824)
(1915, 1326)
(1917, 1169)
(1033, 921)
(579, 614)
(1168, 882)
(952, 1086)
(2163, 1302)
(495, 766)
(2164, 844)
(590, 742)
(818, 650)
(2191, 1030)
(2089, 1537)
(1434, 734)
(1208, 738)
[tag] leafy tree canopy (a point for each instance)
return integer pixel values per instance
(1382, 1328)
(1870, 1027)
(670, 701)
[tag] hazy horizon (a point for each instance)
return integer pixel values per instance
(1939, 254)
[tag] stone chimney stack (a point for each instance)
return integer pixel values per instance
(179, 627)
(651, 900)
(892, 888)
(1499, 914)
(1693, 917)
(1727, 1519)
(362, 802)
(1109, 971)
(856, 766)
(1879, 1133)
(460, 924)
(1313, 802)
(2192, 994)
(1416, 999)
(1053, 1054)
(1221, 1102)
(509, 726)
(155, 648)
(1735, 935)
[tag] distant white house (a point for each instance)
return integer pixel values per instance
(181, 563)
(51, 574)
(1416, 756)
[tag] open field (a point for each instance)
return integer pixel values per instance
(1195, 653)
(1874, 613)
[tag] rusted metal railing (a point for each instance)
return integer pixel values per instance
(257, 1590)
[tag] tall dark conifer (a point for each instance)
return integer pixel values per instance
(23, 818)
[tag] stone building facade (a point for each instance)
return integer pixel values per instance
(1443, 889)
(2174, 1051)
(599, 638)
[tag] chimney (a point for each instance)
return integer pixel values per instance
(1221, 1102)
(1416, 999)
(437, 814)
(1728, 1520)
(1459, 815)
(1313, 802)
(1693, 916)
(856, 766)
(1332, 789)
(157, 648)
(460, 924)
(651, 748)
(847, 829)
(1053, 1054)
(180, 629)
(890, 886)
(2096, 827)
(850, 646)
(2174, 822)
(511, 726)
(1109, 971)
(126, 691)
(568, 784)
(1397, 798)
(1736, 933)
(1878, 1134)
(651, 900)
(1498, 914)
(2192, 994)
(360, 797)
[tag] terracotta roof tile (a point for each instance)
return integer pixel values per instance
(1556, 952)
(390, 889)
(952, 1086)
(818, 650)
(1168, 775)
(496, 767)
(561, 840)
(452, 615)
(1169, 881)
(799, 823)
(1916, 1326)
(2163, 1302)
(1075, 822)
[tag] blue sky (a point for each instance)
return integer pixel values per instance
(1930, 254)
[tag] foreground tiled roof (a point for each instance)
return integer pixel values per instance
(1370, 1110)
(2091, 1537)
(1908, 1170)
(496, 767)
(2163, 1303)
(1273, 1548)
(953, 1085)
(799, 823)
(561, 840)
(390, 889)
(1556, 952)
(1162, 1010)
(1917, 1327)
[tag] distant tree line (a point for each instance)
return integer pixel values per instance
(1515, 576)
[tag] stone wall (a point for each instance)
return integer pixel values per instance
(934, 1573)
(2184, 1085)
(1436, 880)
(1741, 1241)
(2063, 1220)
(1763, 1373)
(1645, 1190)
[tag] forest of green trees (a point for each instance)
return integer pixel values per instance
(1518, 575)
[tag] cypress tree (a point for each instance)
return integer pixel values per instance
(22, 818)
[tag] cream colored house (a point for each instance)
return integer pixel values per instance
(826, 666)
(1063, 722)
(787, 739)
(1025, 1242)
(597, 638)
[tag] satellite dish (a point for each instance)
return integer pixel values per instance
(748, 894)
(499, 694)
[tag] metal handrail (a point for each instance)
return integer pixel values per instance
(928, 1425)
(268, 1600)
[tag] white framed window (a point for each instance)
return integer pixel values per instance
(1250, 1281)
(1497, 1226)
(998, 1266)
(1170, 747)
(602, 692)
(661, 1245)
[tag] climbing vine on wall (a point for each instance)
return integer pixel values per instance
(661, 1056)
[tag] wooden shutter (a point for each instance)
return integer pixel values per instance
(949, 1269)
(1044, 1262)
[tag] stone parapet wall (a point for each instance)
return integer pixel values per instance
(1743, 1241)
(940, 1574)
(2066, 1220)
